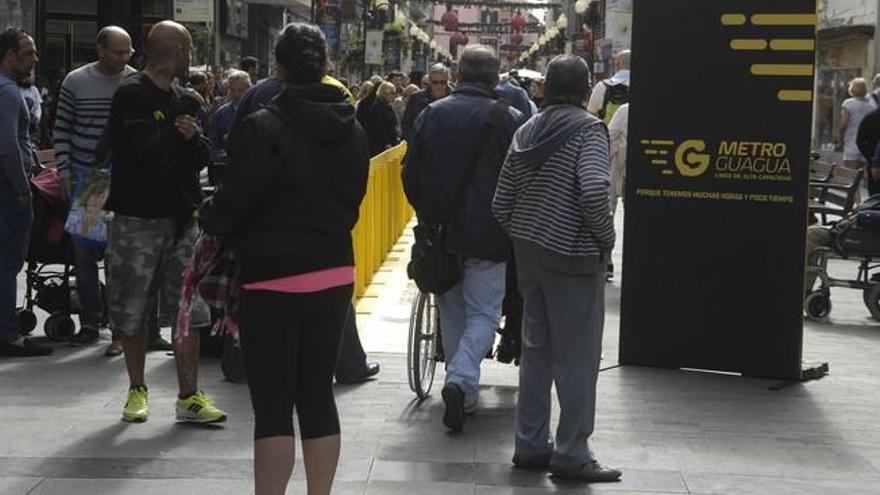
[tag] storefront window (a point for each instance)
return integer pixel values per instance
(157, 8)
(833, 86)
(17, 13)
(72, 6)
(82, 43)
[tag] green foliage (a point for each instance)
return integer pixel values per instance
(352, 59)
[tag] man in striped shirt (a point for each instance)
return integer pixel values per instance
(553, 201)
(83, 110)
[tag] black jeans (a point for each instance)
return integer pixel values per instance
(291, 344)
(352, 363)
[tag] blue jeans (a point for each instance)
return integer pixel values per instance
(88, 286)
(469, 315)
(15, 228)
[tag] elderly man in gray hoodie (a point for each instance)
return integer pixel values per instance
(553, 201)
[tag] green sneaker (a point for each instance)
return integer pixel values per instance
(136, 410)
(199, 408)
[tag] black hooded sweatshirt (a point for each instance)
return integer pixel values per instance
(294, 189)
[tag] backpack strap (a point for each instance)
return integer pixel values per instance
(499, 109)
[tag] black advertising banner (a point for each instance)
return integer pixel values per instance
(716, 185)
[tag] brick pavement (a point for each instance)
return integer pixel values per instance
(671, 431)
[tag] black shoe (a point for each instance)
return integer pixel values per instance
(591, 472)
(24, 348)
(508, 350)
(609, 272)
(160, 344)
(453, 398)
(85, 336)
(532, 462)
(372, 370)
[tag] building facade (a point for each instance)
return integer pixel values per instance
(846, 49)
(65, 30)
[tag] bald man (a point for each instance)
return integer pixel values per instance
(158, 151)
(83, 110)
(610, 94)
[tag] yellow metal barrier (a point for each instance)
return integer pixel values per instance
(384, 214)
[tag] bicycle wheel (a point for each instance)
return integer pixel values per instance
(422, 344)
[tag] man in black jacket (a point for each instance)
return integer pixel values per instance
(438, 82)
(457, 150)
(868, 140)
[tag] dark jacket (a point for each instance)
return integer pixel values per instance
(867, 141)
(381, 127)
(516, 96)
(363, 108)
(289, 203)
(155, 170)
(446, 139)
(417, 102)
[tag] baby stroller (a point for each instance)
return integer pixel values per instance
(857, 239)
(49, 261)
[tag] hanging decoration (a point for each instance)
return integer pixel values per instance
(518, 22)
(562, 21)
(449, 20)
(458, 39)
(516, 38)
(496, 4)
(499, 28)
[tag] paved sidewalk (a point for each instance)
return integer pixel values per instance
(670, 431)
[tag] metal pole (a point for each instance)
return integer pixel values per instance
(217, 41)
(366, 71)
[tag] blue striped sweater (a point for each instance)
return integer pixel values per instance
(558, 197)
(83, 110)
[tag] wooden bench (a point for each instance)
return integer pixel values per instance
(821, 171)
(836, 195)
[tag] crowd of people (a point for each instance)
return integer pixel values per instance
(511, 169)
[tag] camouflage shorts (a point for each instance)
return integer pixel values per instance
(144, 259)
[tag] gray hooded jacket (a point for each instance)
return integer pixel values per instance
(554, 186)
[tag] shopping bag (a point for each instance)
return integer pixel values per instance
(87, 220)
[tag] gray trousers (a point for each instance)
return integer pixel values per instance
(563, 319)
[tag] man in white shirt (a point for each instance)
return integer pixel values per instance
(609, 94)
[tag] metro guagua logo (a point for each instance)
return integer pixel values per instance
(730, 160)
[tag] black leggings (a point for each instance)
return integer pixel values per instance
(291, 345)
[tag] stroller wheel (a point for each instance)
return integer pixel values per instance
(27, 321)
(59, 327)
(871, 296)
(817, 305)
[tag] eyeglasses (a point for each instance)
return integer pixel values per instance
(438, 83)
(122, 53)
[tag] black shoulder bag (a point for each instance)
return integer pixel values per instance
(431, 266)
